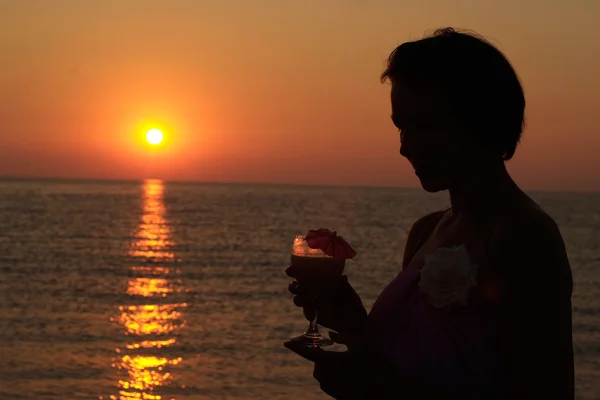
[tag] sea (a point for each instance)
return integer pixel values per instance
(159, 290)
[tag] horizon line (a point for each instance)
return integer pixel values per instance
(200, 182)
(255, 183)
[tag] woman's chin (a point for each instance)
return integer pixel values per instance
(432, 185)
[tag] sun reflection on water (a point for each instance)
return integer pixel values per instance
(149, 287)
(152, 326)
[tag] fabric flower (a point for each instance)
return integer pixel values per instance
(448, 277)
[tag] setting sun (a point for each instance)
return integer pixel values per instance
(154, 136)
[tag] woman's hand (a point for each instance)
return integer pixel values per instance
(340, 374)
(339, 309)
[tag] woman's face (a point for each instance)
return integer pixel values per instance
(432, 138)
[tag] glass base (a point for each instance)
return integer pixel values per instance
(312, 339)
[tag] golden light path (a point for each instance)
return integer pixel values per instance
(152, 325)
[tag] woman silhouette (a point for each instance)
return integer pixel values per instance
(459, 107)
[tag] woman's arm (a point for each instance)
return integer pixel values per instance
(535, 334)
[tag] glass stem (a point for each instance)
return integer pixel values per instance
(313, 329)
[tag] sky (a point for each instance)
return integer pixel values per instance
(273, 91)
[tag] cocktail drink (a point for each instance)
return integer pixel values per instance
(314, 267)
(316, 272)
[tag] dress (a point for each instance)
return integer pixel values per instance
(428, 351)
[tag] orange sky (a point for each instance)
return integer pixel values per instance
(272, 91)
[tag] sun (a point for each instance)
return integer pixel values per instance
(154, 136)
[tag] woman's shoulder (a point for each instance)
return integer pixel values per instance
(525, 223)
(526, 241)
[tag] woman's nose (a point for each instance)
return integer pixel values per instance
(402, 149)
(405, 146)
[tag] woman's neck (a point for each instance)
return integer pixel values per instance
(482, 192)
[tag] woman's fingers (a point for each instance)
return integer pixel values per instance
(309, 313)
(335, 292)
(308, 308)
(291, 271)
(350, 340)
(293, 287)
(338, 338)
(300, 301)
(303, 300)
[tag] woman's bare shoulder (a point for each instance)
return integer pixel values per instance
(526, 237)
(528, 222)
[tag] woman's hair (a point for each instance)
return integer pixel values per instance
(482, 87)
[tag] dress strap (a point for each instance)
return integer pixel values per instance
(430, 221)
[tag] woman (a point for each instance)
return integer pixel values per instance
(482, 306)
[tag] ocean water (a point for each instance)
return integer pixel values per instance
(157, 290)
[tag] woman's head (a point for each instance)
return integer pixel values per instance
(458, 104)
